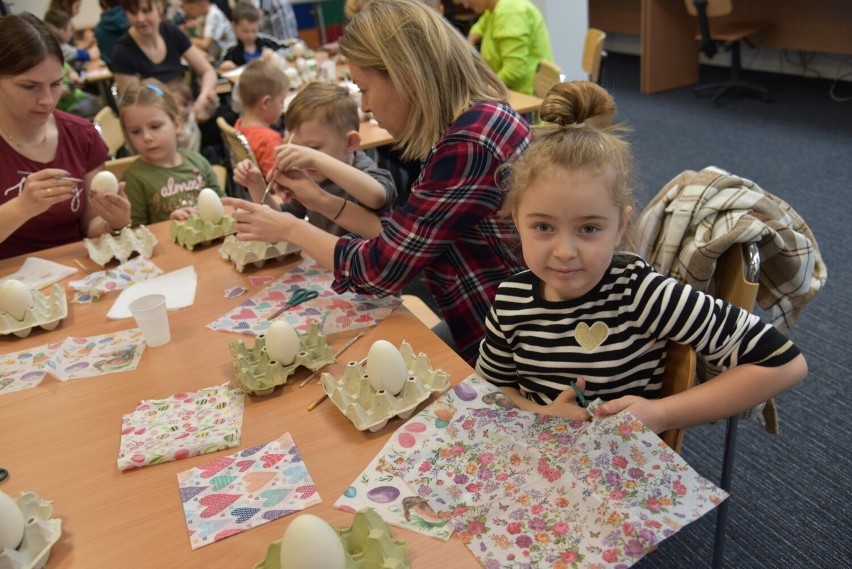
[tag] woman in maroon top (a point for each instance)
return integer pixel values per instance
(47, 158)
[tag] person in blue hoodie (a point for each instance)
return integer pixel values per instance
(112, 25)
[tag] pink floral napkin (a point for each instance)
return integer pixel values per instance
(244, 490)
(180, 426)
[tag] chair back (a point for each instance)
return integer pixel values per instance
(237, 145)
(678, 376)
(547, 75)
(593, 53)
(118, 165)
(221, 175)
(713, 8)
(107, 124)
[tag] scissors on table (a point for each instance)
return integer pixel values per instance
(299, 296)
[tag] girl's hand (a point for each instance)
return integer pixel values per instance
(255, 222)
(113, 208)
(183, 213)
(565, 405)
(648, 411)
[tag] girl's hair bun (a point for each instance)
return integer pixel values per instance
(575, 104)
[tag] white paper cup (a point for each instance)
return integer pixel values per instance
(151, 316)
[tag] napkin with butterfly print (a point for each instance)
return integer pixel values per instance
(247, 489)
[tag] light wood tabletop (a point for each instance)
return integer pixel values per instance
(61, 439)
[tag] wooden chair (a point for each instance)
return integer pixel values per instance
(118, 165)
(222, 175)
(547, 75)
(678, 376)
(237, 145)
(730, 36)
(107, 124)
(593, 54)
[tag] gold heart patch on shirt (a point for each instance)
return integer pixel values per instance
(591, 338)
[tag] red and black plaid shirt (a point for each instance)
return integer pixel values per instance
(449, 227)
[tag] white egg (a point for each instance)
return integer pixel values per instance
(311, 543)
(105, 182)
(282, 342)
(386, 367)
(210, 206)
(15, 298)
(11, 523)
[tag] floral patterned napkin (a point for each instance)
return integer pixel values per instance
(244, 490)
(180, 426)
(23, 369)
(135, 270)
(336, 312)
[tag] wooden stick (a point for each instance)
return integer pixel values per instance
(80, 264)
(342, 349)
(313, 405)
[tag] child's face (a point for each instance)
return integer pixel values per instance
(325, 138)
(67, 32)
(152, 133)
(272, 110)
(246, 32)
(569, 228)
(195, 9)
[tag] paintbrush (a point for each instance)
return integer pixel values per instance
(342, 349)
(66, 178)
(324, 396)
(269, 185)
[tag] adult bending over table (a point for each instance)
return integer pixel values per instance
(47, 158)
(153, 48)
(427, 87)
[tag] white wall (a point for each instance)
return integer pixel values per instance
(90, 10)
(567, 22)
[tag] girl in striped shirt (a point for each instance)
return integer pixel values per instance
(589, 319)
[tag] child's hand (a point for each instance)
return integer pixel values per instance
(248, 174)
(648, 411)
(183, 213)
(227, 65)
(290, 156)
(565, 405)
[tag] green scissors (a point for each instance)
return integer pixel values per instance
(299, 296)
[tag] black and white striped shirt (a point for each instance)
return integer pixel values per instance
(615, 336)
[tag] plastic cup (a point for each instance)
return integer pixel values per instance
(152, 317)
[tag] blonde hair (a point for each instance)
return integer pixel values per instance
(260, 79)
(432, 67)
(148, 92)
(330, 104)
(577, 132)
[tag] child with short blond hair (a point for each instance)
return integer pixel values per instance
(323, 163)
(262, 88)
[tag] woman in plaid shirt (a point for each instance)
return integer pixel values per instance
(429, 89)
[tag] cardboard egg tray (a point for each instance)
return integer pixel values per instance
(370, 409)
(47, 311)
(243, 253)
(196, 231)
(40, 533)
(258, 375)
(108, 247)
(368, 544)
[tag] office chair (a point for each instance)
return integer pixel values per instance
(109, 127)
(731, 36)
(594, 54)
(547, 75)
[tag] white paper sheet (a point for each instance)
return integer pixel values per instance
(38, 273)
(177, 286)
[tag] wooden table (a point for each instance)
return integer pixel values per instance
(372, 135)
(61, 439)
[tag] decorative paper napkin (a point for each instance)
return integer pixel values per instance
(336, 312)
(177, 286)
(244, 490)
(38, 273)
(180, 426)
(531, 490)
(136, 270)
(74, 358)
(24, 369)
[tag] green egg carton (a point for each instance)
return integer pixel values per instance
(369, 409)
(258, 375)
(122, 246)
(368, 544)
(196, 231)
(47, 311)
(243, 253)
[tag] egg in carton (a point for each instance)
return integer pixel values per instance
(369, 408)
(367, 544)
(243, 253)
(259, 374)
(122, 246)
(40, 533)
(43, 310)
(197, 231)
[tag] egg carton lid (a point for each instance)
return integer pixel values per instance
(47, 311)
(122, 246)
(195, 230)
(369, 409)
(40, 533)
(367, 544)
(258, 375)
(243, 253)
